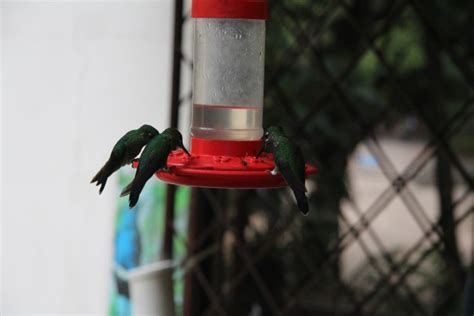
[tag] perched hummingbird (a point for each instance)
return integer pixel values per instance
(289, 161)
(125, 150)
(153, 158)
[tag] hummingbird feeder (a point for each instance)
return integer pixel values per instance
(226, 131)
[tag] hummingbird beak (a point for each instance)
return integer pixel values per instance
(185, 150)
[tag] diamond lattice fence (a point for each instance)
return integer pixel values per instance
(379, 95)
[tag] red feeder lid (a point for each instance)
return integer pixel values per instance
(230, 9)
(227, 164)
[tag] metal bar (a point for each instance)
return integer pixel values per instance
(167, 250)
(198, 292)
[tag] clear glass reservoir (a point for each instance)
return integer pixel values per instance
(229, 58)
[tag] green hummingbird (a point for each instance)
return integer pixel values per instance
(153, 159)
(124, 152)
(289, 161)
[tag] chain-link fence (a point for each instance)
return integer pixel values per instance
(379, 95)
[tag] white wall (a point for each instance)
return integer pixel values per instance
(76, 76)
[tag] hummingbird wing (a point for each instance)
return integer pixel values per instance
(154, 158)
(298, 165)
(132, 143)
(290, 177)
(296, 186)
(289, 159)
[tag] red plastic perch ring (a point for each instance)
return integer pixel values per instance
(223, 171)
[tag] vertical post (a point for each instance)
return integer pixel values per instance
(200, 217)
(167, 249)
(166, 282)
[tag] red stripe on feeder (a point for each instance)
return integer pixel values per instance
(215, 147)
(230, 9)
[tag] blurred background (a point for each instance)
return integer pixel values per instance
(379, 95)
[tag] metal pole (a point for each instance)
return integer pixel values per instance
(161, 284)
(167, 250)
(195, 299)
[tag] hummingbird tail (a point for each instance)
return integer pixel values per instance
(101, 177)
(122, 286)
(135, 193)
(302, 202)
(102, 185)
(133, 189)
(127, 189)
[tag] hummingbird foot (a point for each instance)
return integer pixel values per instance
(274, 172)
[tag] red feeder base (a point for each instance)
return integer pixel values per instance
(217, 170)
